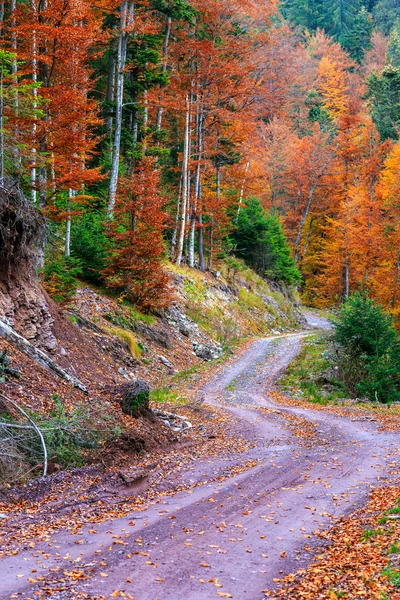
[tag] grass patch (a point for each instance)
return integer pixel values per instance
(231, 387)
(250, 300)
(195, 290)
(129, 339)
(370, 533)
(394, 548)
(393, 576)
(310, 374)
(167, 395)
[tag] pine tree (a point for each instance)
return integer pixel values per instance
(386, 13)
(384, 96)
(258, 238)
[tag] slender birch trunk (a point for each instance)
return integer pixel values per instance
(126, 12)
(110, 92)
(165, 67)
(14, 71)
(197, 188)
(218, 192)
(202, 264)
(242, 191)
(34, 128)
(175, 231)
(185, 164)
(67, 252)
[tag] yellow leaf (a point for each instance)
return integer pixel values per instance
(224, 595)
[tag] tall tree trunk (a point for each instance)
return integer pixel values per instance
(185, 165)
(201, 240)
(34, 91)
(125, 10)
(176, 226)
(71, 195)
(218, 193)
(197, 188)
(1, 125)
(14, 71)
(165, 67)
(242, 191)
(110, 93)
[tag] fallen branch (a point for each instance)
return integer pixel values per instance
(167, 415)
(19, 342)
(34, 426)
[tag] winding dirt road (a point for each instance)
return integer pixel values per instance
(230, 538)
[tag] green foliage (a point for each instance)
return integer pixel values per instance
(89, 244)
(370, 344)
(393, 576)
(70, 435)
(311, 375)
(178, 10)
(195, 290)
(384, 96)
(393, 50)
(127, 319)
(129, 339)
(386, 12)
(258, 238)
(250, 300)
(347, 21)
(59, 277)
(164, 394)
(358, 37)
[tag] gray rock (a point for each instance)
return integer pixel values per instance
(164, 361)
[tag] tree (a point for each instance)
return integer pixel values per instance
(258, 238)
(367, 335)
(137, 247)
(384, 96)
(386, 12)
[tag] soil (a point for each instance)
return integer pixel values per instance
(229, 523)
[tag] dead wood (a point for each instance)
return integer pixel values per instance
(20, 343)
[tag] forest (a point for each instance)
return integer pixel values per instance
(199, 299)
(196, 131)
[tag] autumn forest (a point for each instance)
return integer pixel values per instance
(173, 129)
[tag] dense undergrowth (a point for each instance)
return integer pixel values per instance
(359, 359)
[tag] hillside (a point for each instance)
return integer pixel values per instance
(106, 343)
(199, 299)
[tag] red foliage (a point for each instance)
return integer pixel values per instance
(135, 267)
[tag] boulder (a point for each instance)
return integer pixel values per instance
(135, 399)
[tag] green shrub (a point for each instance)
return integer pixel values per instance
(369, 349)
(89, 244)
(71, 435)
(59, 277)
(259, 239)
(250, 300)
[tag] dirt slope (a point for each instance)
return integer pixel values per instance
(226, 536)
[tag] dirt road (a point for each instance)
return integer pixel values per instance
(227, 538)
